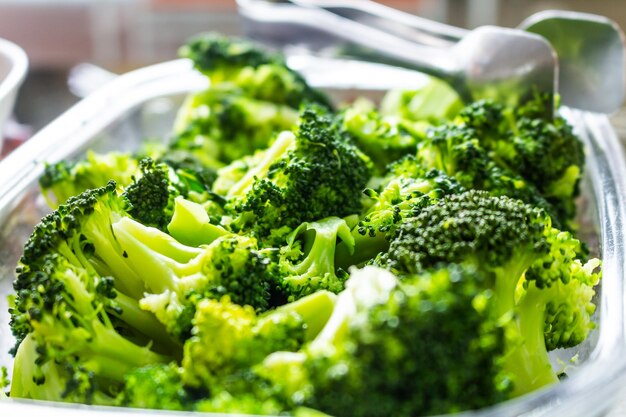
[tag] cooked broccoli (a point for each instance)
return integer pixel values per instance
(308, 260)
(308, 175)
(156, 386)
(457, 152)
(219, 126)
(228, 338)
(208, 273)
(64, 179)
(543, 151)
(384, 139)
(71, 349)
(398, 348)
(434, 102)
(533, 269)
(259, 74)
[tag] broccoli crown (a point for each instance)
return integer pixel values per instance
(78, 353)
(457, 151)
(533, 270)
(311, 175)
(228, 339)
(434, 102)
(409, 190)
(258, 73)
(528, 141)
(408, 354)
(220, 125)
(489, 230)
(156, 386)
(383, 139)
(151, 195)
(65, 179)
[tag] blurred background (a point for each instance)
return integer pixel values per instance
(120, 35)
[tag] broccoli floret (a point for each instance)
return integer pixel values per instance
(384, 139)
(458, 152)
(506, 239)
(528, 141)
(63, 180)
(176, 277)
(258, 73)
(228, 339)
(152, 194)
(218, 126)
(398, 348)
(403, 192)
(73, 350)
(312, 174)
(308, 260)
(435, 102)
(157, 386)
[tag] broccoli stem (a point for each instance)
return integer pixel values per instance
(158, 271)
(364, 248)
(144, 322)
(191, 224)
(530, 358)
(315, 310)
(283, 142)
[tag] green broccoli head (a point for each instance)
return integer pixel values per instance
(458, 151)
(156, 386)
(384, 139)
(312, 174)
(152, 193)
(72, 344)
(528, 141)
(229, 339)
(220, 125)
(533, 269)
(259, 74)
(396, 347)
(63, 180)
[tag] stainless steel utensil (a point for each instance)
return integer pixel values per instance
(590, 48)
(489, 62)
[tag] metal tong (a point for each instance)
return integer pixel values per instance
(490, 62)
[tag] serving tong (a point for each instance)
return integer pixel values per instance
(508, 65)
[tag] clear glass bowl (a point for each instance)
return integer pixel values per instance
(142, 104)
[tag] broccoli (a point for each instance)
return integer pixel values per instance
(71, 349)
(533, 269)
(312, 174)
(64, 179)
(208, 274)
(435, 102)
(397, 348)
(228, 338)
(384, 139)
(307, 261)
(528, 141)
(152, 193)
(457, 151)
(218, 126)
(149, 266)
(156, 386)
(404, 190)
(259, 74)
